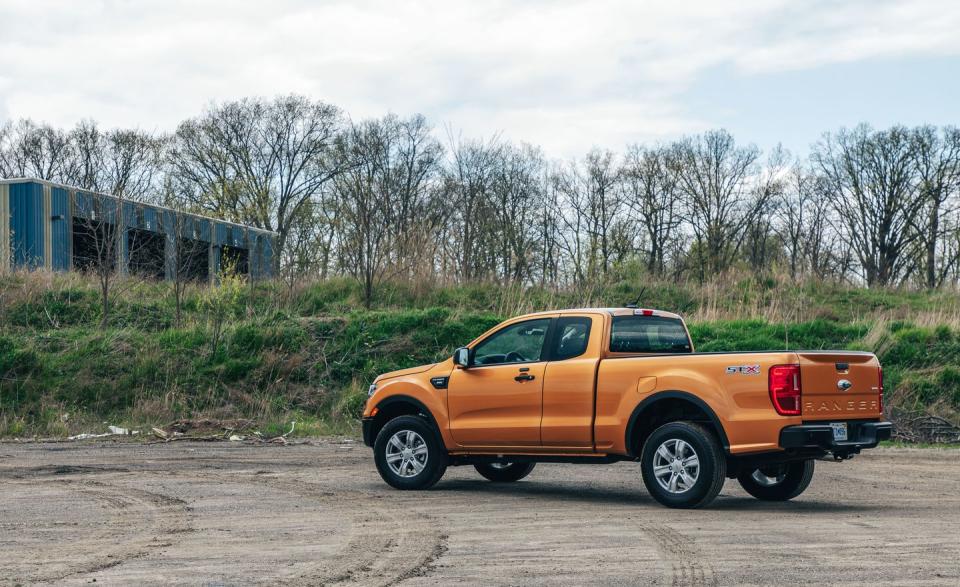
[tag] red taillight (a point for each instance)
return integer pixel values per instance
(880, 372)
(785, 389)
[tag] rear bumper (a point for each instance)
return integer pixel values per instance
(860, 435)
(367, 424)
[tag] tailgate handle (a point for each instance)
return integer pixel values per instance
(843, 366)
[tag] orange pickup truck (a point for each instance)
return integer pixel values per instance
(606, 385)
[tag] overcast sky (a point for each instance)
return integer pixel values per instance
(564, 74)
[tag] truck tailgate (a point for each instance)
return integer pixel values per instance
(840, 385)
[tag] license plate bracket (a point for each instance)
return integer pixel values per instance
(839, 431)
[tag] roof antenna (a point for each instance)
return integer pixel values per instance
(636, 304)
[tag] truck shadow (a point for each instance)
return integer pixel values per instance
(547, 490)
(639, 497)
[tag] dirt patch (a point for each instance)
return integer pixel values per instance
(229, 513)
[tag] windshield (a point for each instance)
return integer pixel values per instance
(648, 334)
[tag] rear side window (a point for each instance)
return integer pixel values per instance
(648, 334)
(572, 336)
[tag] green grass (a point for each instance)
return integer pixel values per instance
(307, 353)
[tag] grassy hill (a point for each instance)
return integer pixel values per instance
(275, 354)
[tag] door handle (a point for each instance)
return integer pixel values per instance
(524, 377)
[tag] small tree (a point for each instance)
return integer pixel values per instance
(220, 302)
(102, 225)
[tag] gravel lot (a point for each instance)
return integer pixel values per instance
(318, 513)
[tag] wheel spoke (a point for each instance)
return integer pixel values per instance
(680, 449)
(420, 450)
(395, 441)
(661, 470)
(664, 452)
(394, 457)
(691, 461)
(673, 482)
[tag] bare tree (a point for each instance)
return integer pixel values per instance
(761, 247)
(34, 150)
(383, 200)
(937, 159)
(186, 254)
(124, 163)
(6, 167)
(651, 191)
(872, 177)
(716, 177)
(516, 195)
(259, 162)
(100, 224)
(467, 186)
(596, 233)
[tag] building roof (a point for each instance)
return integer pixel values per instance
(17, 180)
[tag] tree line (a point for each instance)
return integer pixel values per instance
(393, 198)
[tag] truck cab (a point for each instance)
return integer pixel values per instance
(613, 384)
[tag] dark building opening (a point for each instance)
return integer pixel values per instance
(193, 259)
(146, 252)
(235, 259)
(92, 245)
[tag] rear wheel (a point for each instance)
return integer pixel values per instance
(408, 454)
(777, 482)
(683, 465)
(504, 472)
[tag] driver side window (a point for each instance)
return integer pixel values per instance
(517, 343)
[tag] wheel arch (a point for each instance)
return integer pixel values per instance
(400, 405)
(670, 406)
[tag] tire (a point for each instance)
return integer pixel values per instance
(415, 460)
(507, 473)
(696, 479)
(777, 482)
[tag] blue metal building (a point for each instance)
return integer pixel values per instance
(49, 226)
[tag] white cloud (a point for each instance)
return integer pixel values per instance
(564, 74)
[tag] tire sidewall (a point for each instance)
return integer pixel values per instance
(436, 454)
(515, 472)
(709, 455)
(797, 479)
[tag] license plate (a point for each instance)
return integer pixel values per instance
(839, 430)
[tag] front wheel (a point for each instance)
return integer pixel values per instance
(777, 482)
(683, 465)
(504, 472)
(408, 454)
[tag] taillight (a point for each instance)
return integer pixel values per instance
(880, 372)
(785, 389)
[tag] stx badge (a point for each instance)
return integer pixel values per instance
(744, 370)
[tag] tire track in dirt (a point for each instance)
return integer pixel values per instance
(383, 547)
(685, 564)
(167, 515)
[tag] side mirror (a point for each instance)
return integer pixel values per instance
(461, 357)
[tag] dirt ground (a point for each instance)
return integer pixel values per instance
(317, 513)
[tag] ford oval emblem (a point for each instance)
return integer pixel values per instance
(844, 384)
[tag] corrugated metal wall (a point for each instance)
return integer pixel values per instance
(4, 227)
(61, 228)
(27, 225)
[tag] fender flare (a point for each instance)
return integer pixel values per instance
(674, 394)
(406, 399)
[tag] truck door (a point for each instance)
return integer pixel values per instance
(569, 380)
(497, 401)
